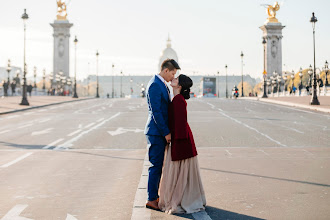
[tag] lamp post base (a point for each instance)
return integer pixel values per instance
(24, 101)
(75, 95)
(315, 101)
(264, 96)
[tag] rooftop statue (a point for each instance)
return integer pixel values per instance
(61, 10)
(272, 12)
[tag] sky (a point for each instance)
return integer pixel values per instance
(131, 34)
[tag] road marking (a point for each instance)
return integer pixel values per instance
(123, 130)
(5, 131)
(70, 217)
(264, 152)
(12, 116)
(29, 113)
(91, 124)
(308, 152)
(212, 106)
(17, 160)
(293, 129)
(202, 215)
(27, 125)
(42, 110)
(53, 143)
(75, 132)
(53, 107)
(14, 213)
(249, 127)
(44, 120)
(100, 120)
(68, 144)
(228, 152)
(48, 130)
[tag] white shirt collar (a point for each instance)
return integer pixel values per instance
(161, 78)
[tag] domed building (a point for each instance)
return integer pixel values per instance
(168, 53)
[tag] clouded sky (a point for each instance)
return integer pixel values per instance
(131, 34)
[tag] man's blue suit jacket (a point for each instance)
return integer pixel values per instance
(158, 101)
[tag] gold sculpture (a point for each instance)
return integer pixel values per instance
(272, 13)
(61, 10)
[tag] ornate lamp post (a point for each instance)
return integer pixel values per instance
(113, 78)
(314, 100)
(300, 75)
(8, 70)
(121, 84)
(285, 77)
(242, 55)
(44, 80)
(326, 83)
(218, 82)
(24, 96)
(292, 77)
(35, 77)
(88, 78)
(75, 95)
(265, 72)
(97, 74)
(226, 82)
(8, 81)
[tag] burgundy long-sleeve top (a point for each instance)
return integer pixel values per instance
(182, 143)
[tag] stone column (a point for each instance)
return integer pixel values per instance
(273, 34)
(61, 62)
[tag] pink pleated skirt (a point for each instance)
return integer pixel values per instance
(181, 189)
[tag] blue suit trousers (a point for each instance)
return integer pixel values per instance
(156, 150)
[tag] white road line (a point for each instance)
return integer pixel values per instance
(27, 125)
(87, 126)
(5, 131)
(70, 217)
(29, 113)
(53, 143)
(239, 122)
(308, 152)
(42, 110)
(293, 129)
(100, 120)
(67, 144)
(201, 216)
(12, 116)
(14, 213)
(44, 120)
(17, 160)
(48, 130)
(228, 152)
(264, 152)
(211, 105)
(75, 132)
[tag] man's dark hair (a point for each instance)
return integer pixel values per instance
(170, 64)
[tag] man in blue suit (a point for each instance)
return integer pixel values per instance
(157, 130)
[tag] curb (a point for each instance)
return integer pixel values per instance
(41, 106)
(315, 108)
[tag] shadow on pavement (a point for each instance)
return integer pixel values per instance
(40, 147)
(216, 213)
(267, 177)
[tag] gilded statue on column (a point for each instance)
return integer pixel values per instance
(61, 10)
(272, 13)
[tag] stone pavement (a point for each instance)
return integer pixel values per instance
(11, 104)
(298, 101)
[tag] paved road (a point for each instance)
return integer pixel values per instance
(84, 160)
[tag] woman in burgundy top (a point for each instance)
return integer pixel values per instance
(181, 189)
